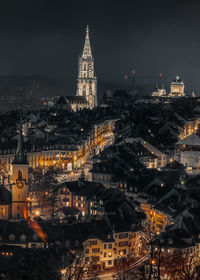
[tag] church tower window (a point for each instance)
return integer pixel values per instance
(19, 174)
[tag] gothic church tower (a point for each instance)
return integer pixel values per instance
(20, 181)
(87, 81)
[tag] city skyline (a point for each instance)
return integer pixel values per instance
(99, 140)
(46, 39)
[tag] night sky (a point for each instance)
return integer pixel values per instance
(45, 38)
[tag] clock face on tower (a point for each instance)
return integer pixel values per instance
(20, 185)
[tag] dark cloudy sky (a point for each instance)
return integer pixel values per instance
(45, 37)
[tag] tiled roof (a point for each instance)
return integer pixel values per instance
(192, 140)
(5, 195)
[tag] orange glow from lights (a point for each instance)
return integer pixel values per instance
(35, 226)
(63, 271)
(37, 213)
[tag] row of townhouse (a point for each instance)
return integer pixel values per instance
(62, 156)
(79, 195)
(156, 220)
(115, 246)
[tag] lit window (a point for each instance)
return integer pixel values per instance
(19, 174)
(3, 211)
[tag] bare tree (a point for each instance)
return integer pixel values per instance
(182, 265)
(79, 266)
(41, 186)
(124, 271)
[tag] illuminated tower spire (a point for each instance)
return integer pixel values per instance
(87, 48)
(20, 156)
(87, 81)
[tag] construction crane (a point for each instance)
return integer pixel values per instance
(133, 77)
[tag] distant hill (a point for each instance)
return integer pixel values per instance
(38, 86)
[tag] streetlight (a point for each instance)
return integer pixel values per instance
(152, 261)
(37, 213)
(121, 253)
(63, 271)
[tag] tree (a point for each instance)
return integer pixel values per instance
(182, 265)
(79, 266)
(41, 186)
(123, 271)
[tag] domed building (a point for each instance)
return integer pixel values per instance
(177, 88)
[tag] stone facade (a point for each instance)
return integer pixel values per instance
(87, 81)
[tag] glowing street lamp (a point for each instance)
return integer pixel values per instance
(152, 261)
(37, 213)
(63, 271)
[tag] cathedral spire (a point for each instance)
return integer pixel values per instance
(87, 81)
(20, 156)
(87, 48)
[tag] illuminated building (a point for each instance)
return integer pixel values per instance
(20, 181)
(188, 152)
(190, 127)
(16, 208)
(109, 249)
(77, 103)
(157, 219)
(86, 93)
(79, 195)
(65, 156)
(87, 81)
(177, 88)
(159, 92)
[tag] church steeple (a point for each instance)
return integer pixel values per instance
(20, 180)
(20, 156)
(87, 81)
(87, 48)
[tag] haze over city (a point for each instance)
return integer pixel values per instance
(151, 37)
